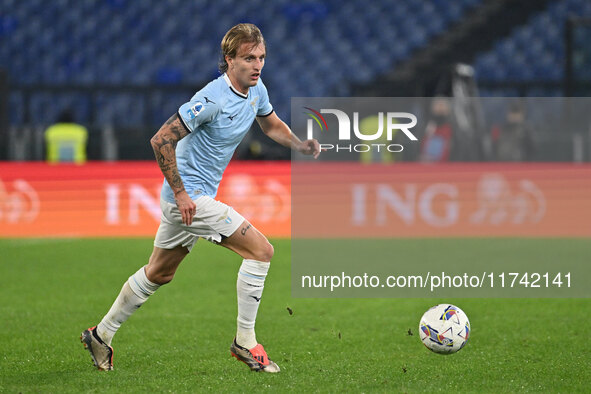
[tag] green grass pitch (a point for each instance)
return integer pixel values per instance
(50, 290)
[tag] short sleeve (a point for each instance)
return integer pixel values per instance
(265, 108)
(200, 110)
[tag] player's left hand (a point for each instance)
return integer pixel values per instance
(310, 147)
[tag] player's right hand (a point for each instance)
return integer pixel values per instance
(310, 147)
(186, 206)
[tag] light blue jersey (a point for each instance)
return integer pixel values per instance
(218, 117)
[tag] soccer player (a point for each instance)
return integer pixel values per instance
(193, 149)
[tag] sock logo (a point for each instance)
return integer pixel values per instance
(257, 298)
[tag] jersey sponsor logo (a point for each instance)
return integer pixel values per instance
(195, 110)
(207, 100)
(231, 117)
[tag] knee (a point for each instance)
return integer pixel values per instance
(163, 264)
(160, 278)
(159, 273)
(265, 252)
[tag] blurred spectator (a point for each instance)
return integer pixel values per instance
(513, 140)
(255, 151)
(66, 140)
(439, 133)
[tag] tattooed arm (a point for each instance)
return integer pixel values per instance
(164, 144)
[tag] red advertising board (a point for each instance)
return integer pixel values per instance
(329, 199)
(122, 199)
(441, 200)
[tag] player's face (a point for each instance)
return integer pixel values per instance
(245, 69)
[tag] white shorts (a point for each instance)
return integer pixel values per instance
(213, 220)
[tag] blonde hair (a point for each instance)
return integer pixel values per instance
(235, 37)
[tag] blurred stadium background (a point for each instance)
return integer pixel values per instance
(124, 66)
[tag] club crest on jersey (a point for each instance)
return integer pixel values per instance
(194, 110)
(253, 104)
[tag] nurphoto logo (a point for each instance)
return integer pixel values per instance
(394, 122)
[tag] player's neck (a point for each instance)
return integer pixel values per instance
(236, 85)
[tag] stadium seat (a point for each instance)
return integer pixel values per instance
(129, 42)
(534, 51)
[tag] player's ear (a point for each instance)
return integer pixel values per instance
(230, 61)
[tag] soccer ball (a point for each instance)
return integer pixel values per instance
(444, 329)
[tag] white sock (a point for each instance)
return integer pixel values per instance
(249, 287)
(133, 294)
